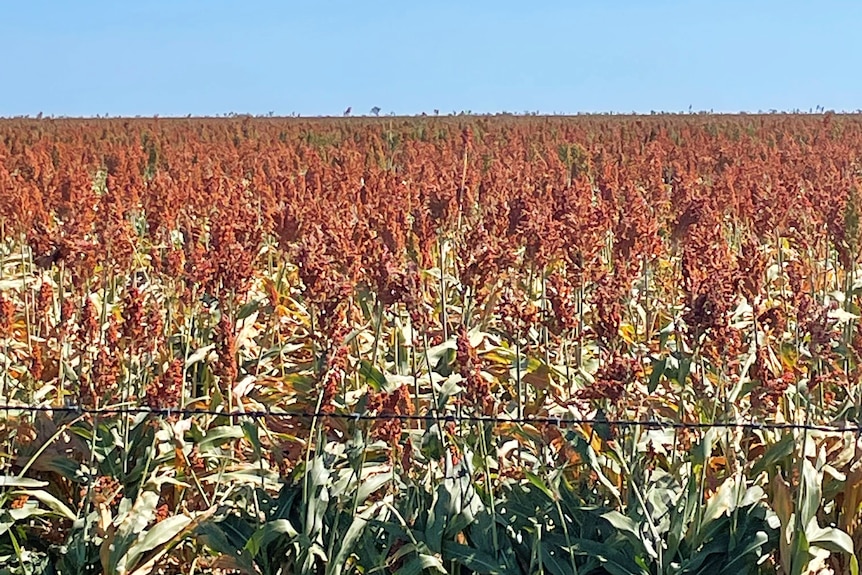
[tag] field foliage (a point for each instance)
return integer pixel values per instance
(415, 345)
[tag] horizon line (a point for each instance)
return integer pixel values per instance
(818, 111)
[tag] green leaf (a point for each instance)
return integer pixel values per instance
(612, 560)
(420, 563)
(782, 500)
(623, 523)
(160, 534)
(778, 451)
(810, 496)
(799, 556)
(25, 482)
(132, 519)
(600, 425)
(682, 516)
(252, 433)
(371, 484)
(537, 481)
(586, 451)
(50, 502)
(438, 516)
(269, 532)
(473, 559)
(442, 353)
(349, 539)
(432, 447)
(683, 371)
(703, 449)
(447, 389)
(213, 535)
(372, 376)
(219, 435)
(658, 367)
(552, 560)
(721, 502)
(742, 556)
(248, 309)
(829, 538)
(318, 498)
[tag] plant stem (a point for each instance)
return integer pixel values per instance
(444, 319)
(519, 389)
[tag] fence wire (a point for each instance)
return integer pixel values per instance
(839, 427)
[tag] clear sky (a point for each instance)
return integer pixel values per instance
(206, 57)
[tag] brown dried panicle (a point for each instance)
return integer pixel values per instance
(43, 244)
(335, 369)
(467, 137)
(112, 333)
(44, 302)
(320, 271)
(608, 293)
(235, 241)
(105, 491)
(174, 263)
(773, 319)
(821, 329)
(394, 281)
(796, 278)
(479, 257)
(37, 366)
(102, 388)
(271, 292)
(67, 312)
(133, 316)
(515, 311)
(709, 278)
(25, 432)
(165, 391)
(162, 512)
(856, 343)
(477, 390)
(635, 231)
(771, 385)
(612, 379)
(88, 327)
(389, 406)
(155, 324)
(750, 275)
(7, 315)
(199, 266)
(226, 366)
(707, 311)
(563, 315)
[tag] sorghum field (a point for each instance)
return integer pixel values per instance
(431, 345)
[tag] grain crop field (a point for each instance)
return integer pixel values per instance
(464, 344)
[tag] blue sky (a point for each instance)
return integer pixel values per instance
(175, 57)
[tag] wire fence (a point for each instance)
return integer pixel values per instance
(838, 427)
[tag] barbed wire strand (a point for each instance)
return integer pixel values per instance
(843, 427)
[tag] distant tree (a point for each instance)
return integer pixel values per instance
(375, 110)
(347, 111)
